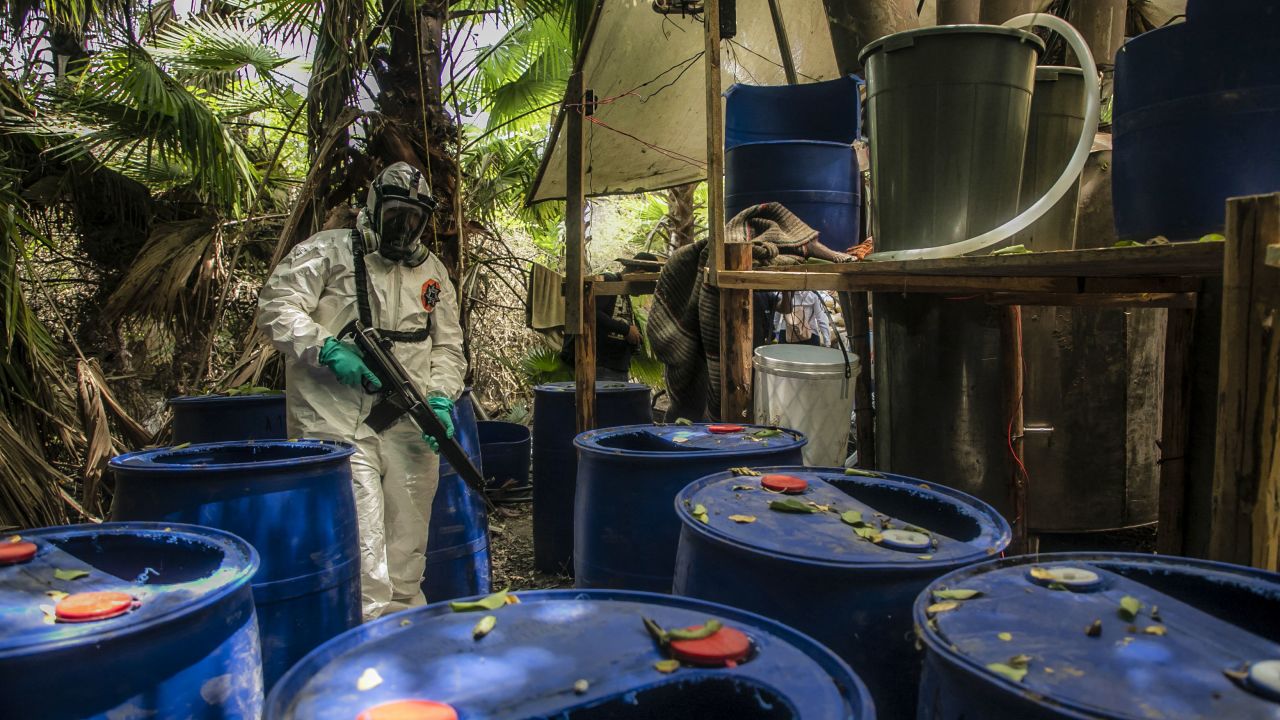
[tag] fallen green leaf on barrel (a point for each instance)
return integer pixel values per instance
(1013, 673)
(711, 627)
(488, 602)
(1129, 607)
(666, 666)
(791, 505)
(956, 594)
(484, 627)
(743, 518)
(70, 574)
(862, 473)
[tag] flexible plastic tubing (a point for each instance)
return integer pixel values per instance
(1064, 182)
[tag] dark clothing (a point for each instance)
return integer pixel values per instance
(614, 318)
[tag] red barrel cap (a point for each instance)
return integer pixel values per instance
(722, 647)
(724, 429)
(12, 553)
(409, 710)
(90, 606)
(788, 484)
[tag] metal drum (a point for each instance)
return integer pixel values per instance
(1220, 116)
(128, 620)
(844, 569)
(505, 449)
(810, 389)
(625, 535)
(1112, 636)
(949, 111)
(222, 418)
(828, 111)
(458, 535)
(575, 655)
(555, 461)
(291, 500)
(818, 181)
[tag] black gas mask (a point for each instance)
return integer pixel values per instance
(401, 215)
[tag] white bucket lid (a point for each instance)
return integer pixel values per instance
(807, 359)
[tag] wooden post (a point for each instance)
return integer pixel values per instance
(1174, 432)
(1011, 366)
(584, 364)
(853, 305)
(1246, 478)
(959, 12)
(579, 310)
(715, 140)
(735, 341)
(995, 12)
(784, 44)
(1101, 23)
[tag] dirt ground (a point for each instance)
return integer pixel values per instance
(511, 551)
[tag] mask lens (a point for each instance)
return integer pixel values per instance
(402, 224)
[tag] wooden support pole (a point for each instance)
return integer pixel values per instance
(1246, 478)
(1174, 432)
(584, 364)
(715, 139)
(995, 12)
(735, 341)
(580, 307)
(784, 44)
(853, 306)
(1101, 23)
(1011, 367)
(959, 12)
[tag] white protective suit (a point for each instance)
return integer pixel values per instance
(311, 296)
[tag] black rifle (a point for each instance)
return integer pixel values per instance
(399, 396)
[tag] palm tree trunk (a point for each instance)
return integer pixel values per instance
(680, 216)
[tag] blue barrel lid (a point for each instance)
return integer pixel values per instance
(1114, 635)
(167, 567)
(602, 386)
(275, 396)
(702, 439)
(857, 520)
(555, 651)
(235, 456)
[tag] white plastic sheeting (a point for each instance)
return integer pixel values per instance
(646, 70)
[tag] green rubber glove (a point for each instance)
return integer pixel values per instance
(443, 408)
(346, 364)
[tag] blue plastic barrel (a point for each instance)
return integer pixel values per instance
(814, 571)
(818, 181)
(174, 636)
(828, 111)
(222, 418)
(1203, 642)
(573, 655)
(505, 449)
(625, 534)
(291, 500)
(1232, 14)
(1188, 135)
(555, 461)
(458, 535)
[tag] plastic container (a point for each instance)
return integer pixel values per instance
(458, 534)
(1204, 642)
(810, 389)
(165, 629)
(223, 418)
(555, 461)
(818, 181)
(291, 500)
(828, 111)
(625, 532)
(1219, 119)
(570, 654)
(1057, 116)
(505, 449)
(815, 573)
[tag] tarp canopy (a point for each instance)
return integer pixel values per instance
(646, 70)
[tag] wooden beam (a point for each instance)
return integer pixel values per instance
(575, 249)
(854, 308)
(735, 341)
(584, 365)
(630, 284)
(784, 44)
(1246, 479)
(715, 138)
(1174, 432)
(1011, 369)
(1096, 300)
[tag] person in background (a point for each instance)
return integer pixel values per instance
(381, 273)
(617, 336)
(804, 320)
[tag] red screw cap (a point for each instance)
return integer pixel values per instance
(724, 429)
(788, 484)
(13, 553)
(726, 646)
(90, 606)
(409, 710)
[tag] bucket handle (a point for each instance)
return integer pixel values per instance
(1064, 182)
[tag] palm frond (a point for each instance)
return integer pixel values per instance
(173, 276)
(215, 44)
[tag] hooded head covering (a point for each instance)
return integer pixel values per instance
(397, 210)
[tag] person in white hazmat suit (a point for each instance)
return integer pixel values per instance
(382, 273)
